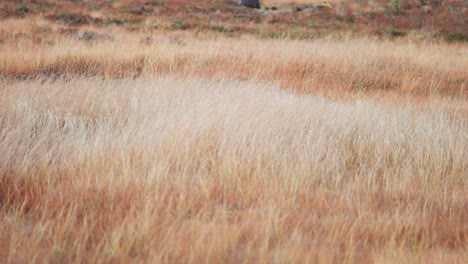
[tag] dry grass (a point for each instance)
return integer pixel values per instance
(321, 66)
(191, 170)
(179, 148)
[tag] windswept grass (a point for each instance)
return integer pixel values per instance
(170, 146)
(321, 66)
(193, 170)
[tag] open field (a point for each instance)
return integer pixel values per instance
(141, 141)
(193, 170)
(352, 65)
(300, 19)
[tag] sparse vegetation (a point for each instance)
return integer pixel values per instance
(171, 140)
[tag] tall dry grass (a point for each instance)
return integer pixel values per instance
(192, 170)
(176, 148)
(327, 67)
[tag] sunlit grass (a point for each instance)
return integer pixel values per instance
(197, 170)
(183, 147)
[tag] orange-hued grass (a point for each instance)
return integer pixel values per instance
(333, 66)
(194, 170)
(188, 147)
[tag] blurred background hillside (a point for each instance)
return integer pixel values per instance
(445, 20)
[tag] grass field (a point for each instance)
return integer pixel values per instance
(190, 146)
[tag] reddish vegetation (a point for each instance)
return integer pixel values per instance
(164, 170)
(199, 131)
(419, 19)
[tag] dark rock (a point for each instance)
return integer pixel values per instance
(250, 3)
